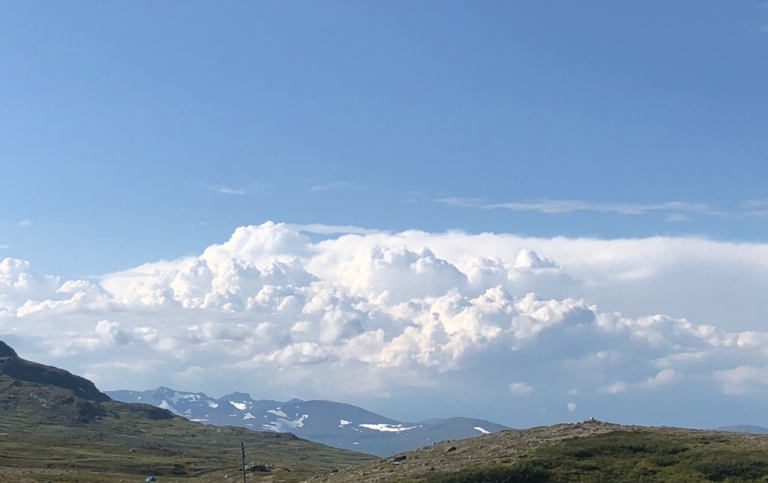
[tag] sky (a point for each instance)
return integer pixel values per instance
(529, 212)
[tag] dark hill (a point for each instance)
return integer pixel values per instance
(20, 370)
(7, 351)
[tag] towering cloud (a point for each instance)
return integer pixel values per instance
(445, 316)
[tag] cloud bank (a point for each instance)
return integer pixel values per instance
(415, 324)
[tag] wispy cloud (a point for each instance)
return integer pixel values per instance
(520, 388)
(321, 229)
(664, 377)
(227, 190)
(615, 388)
(3, 246)
(569, 206)
(676, 210)
(752, 204)
(337, 185)
(25, 223)
(677, 217)
(753, 208)
(754, 213)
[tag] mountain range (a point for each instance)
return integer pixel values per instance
(332, 423)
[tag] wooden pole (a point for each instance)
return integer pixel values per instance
(242, 453)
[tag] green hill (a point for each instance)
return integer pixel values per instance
(55, 426)
(591, 451)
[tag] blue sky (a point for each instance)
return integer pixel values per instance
(121, 120)
(385, 203)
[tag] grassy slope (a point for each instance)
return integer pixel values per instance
(583, 452)
(628, 456)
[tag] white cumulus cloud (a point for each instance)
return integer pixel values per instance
(416, 318)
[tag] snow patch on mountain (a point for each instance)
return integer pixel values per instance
(238, 405)
(277, 412)
(283, 425)
(179, 396)
(166, 405)
(388, 428)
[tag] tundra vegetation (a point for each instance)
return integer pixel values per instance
(628, 456)
(591, 451)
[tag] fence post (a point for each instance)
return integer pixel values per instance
(242, 454)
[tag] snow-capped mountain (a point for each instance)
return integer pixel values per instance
(335, 424)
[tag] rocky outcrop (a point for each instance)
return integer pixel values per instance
(7, 351)
(21, 370)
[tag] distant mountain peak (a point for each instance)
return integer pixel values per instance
(744, 428)
(237, 396)
(7, 351)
